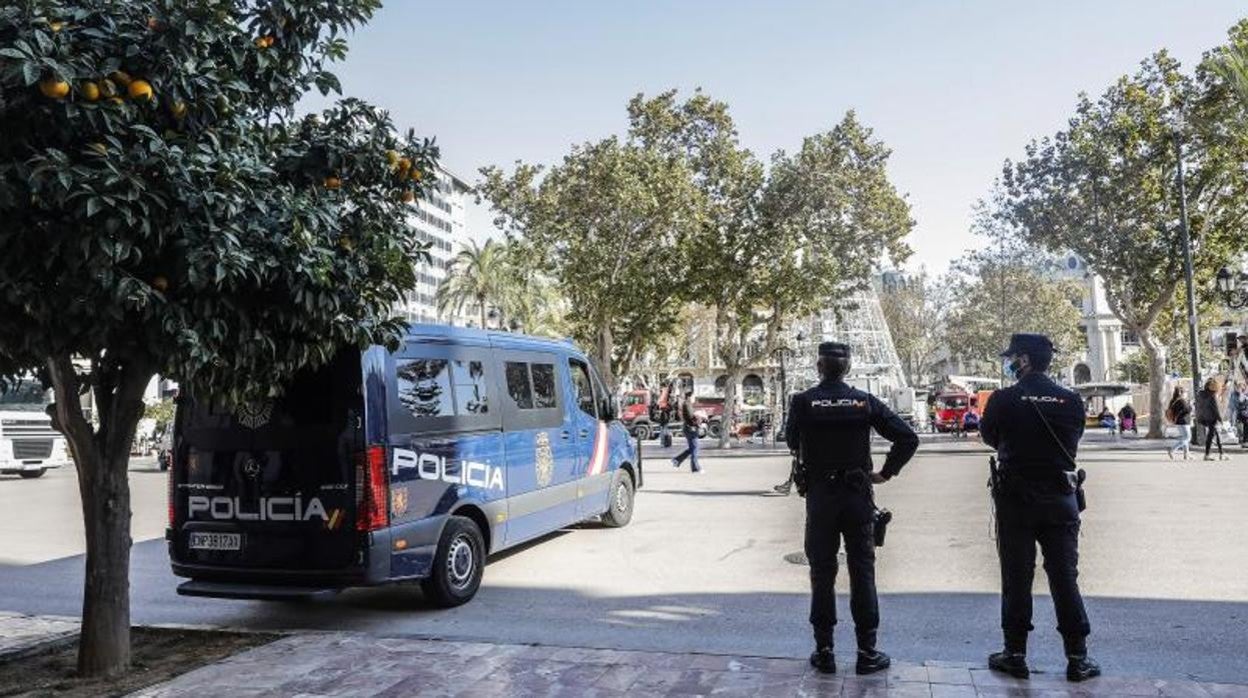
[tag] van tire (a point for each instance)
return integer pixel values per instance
(32, 474)
(642, 431)
(620, 508)
(457, 565)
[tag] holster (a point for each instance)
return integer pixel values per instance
(880, 519)
(800, 481)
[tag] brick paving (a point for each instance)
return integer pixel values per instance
(341, 664)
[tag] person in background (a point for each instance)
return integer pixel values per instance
(1127, 420)
(686, 412)
(1233, 398)
(1240, 415)
(1208, 416)
(1179, 412)
(1107, 420)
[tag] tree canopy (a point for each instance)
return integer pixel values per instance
(165, 211)
(1106, 189)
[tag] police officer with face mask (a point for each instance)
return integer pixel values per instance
(1035, 426)
(829, 430)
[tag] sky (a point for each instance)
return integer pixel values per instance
(953, 87)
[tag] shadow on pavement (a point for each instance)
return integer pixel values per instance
(1153, 638)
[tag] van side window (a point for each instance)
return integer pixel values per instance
(471, 395)
(584, 387)
(425, 387)
(543, 386)
(518, 384)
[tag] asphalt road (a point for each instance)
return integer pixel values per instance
(702, 567)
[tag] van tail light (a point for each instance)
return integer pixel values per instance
(371, 505)
(169, 494)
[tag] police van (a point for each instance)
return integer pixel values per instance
(386, 467)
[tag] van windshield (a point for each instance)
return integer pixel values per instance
(25, 396)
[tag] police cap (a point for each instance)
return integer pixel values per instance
(1029, 344)
(834, 350)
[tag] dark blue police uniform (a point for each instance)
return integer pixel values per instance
(1035, 499)
(830, 429)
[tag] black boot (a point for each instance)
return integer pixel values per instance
(1012, 663)
(823, 660)
(1078, 666)
(870, 660)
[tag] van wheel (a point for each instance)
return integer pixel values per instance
(620, 509)
(32, 474)
(458, 564)
(641, 431)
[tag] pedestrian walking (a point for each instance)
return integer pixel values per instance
(1208, 416)
(1035, 426)
(829, 431)
(688, 417)
(1179, 412)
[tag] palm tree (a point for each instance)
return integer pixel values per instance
(1232, 65)
(474, 276)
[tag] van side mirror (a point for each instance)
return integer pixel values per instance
(610, 409)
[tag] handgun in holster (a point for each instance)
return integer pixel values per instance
(800, 481)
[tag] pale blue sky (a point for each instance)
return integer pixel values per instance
(953, 87)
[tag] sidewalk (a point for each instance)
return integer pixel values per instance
(21, 634)
(340, 664)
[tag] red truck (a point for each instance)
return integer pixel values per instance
(641, 412)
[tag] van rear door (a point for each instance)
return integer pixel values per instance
(270, 486)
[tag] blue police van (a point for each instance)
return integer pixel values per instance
(383, 467)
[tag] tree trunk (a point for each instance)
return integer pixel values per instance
(101, 459)
(1156, 384)
(605, 350)
(481, 307)
(730, 399)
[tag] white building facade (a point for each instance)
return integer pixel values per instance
(440, 220)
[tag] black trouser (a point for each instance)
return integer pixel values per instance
(835, 509)
(1027, 517)
(1211, 435)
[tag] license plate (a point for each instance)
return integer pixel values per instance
(216, 541)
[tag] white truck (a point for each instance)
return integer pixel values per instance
(29, 446)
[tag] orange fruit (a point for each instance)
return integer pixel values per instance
(56, 26)
(121, 78)
(333, 183)
(160, 283)
(415, 175)
(89, 90)
(403, 166)
(392, 157)
(264, 41)
(179, 110)
(53, 88)
(140, 90)
(408, 197)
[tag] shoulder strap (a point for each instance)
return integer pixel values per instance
(1049, 428)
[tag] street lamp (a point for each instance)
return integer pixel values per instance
(784, 386)
(1234, 288)
(1188, 276)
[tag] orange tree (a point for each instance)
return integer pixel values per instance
(165, 211)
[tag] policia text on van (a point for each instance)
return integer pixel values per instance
(411, 466)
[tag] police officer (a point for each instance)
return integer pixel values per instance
(829, 430)
(1035, 426)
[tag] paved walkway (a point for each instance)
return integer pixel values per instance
(21, 633)
(339, 664)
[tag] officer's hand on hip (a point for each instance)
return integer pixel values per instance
(878, 478)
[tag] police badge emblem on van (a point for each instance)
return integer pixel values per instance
(544, 459)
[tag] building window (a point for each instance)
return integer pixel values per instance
(1130, 339)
